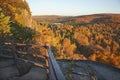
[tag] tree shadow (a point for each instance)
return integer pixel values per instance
(21, 34)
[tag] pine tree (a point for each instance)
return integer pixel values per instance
(4, 26)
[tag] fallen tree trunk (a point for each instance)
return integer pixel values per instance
(24, 60)
(41, 56)
(20, 44)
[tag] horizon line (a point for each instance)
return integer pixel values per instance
(73, 15)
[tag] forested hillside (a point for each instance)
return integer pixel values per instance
(94, 36)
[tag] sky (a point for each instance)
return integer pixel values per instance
(73, 7)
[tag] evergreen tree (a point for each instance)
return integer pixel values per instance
(4, 26)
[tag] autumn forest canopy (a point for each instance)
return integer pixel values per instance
(91, 37)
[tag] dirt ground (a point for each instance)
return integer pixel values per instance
(8, 71)
(89, 70)
(73, 70)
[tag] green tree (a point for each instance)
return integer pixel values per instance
(4, 26)
(21, 34)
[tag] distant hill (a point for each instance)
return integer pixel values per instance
(99, 18)
(51, 18)
(47, 17)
